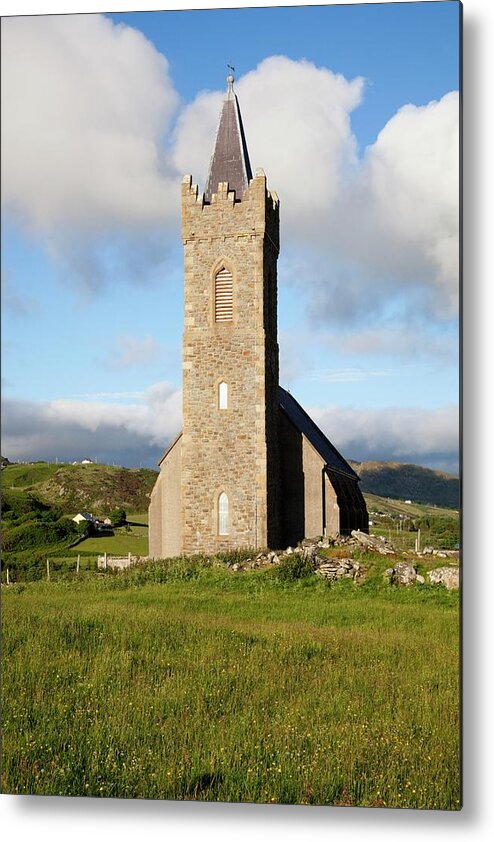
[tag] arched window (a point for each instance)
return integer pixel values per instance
(223, 395)
(222, 514)
(223, 296)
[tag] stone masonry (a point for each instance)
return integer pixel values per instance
(234, 450)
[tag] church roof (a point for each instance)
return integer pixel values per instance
(170, 447)
(230, 158)
(311, 431)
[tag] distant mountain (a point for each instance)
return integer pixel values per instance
(74, 488)
(99, 488)
(409, 482)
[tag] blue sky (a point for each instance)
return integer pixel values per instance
(352, 112)
(408, 52)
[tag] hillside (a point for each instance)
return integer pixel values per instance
(409, 482)
(99, 488)
(393, 508)
(72, 488)
(38, 500)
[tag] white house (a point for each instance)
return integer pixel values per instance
(83, 516)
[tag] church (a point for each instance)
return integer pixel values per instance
(250, 468)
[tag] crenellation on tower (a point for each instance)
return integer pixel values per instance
(257, 211)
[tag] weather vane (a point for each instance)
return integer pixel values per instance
(230, 78)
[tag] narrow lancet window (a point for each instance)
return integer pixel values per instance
(223, 395)
(223, 514)
(223, 296)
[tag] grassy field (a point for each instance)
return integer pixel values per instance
(29, 474)
(132, 538)
(30, 564)
(392, 518)
(184, 681)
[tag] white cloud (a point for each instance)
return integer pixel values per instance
(410, 341)
(357, 236)
(399, 217)
(404, 434)
(68, 429)
(85, 104)
(139, 431)
(19, 306)
(131, 351)
(113, 396)
(347, 375)
(92, 164)
(297, 123)
(386, 349)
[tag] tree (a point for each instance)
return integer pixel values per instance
(85, 528)
(118, 517)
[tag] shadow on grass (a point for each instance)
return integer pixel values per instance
(203, 784)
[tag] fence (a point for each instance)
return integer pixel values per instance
(103, 562)
(112, 562)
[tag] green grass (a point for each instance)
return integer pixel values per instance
(135, 518)
(395, 516)
(402, 540)
(181, 680)
(30, 564)
(126, 539)
(27, 475)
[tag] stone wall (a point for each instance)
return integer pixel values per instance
(155, 519)
(308, 500)
(165, 517)
(292, 483)
(171, 468)
(314, 499)
(235, 450)
(353, 511)
(313, 467)
(332, 507)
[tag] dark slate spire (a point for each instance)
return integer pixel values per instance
(230, 159)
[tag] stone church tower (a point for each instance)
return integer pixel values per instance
(230, 352)
(224, 483)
